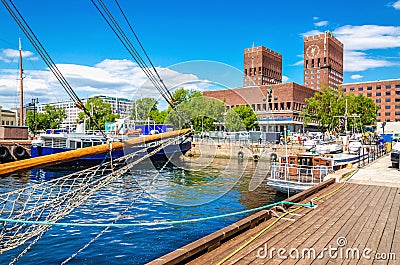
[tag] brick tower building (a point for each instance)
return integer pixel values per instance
(262, 66)
(323, 61)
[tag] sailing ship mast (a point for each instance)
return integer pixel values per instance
(21, 87)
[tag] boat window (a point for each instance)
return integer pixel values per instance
(78, 145)
(86, 144)
(72, 145)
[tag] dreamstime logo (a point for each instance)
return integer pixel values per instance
(332, 252)
(174, 183)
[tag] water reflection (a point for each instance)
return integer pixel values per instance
(183, 190)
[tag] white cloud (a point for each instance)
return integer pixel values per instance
(368, 37)
(321, 23)
(110, 77)
(298, 63)
(354, 77)
(315, 18)
(311, 33)
(396, 5)
(10, 55)
(285, 79)
(355, 61)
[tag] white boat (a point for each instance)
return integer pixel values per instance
(296, 173)
(329, 148)
(355, 146)
(310, 144)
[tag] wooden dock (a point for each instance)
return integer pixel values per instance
(354, 224)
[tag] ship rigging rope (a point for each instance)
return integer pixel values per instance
(50, 201)
(26, 29)
(150, 72)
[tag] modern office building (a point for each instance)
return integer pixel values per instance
(262, 66)
(323, 61)
(120, 106)
(385, 94)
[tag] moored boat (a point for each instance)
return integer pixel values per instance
(296, 173)
(60, 141)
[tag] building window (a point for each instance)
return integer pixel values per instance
(397, 86)
(378, 87)
(253, 106)
(378, 120)
(306, 83)
(312, 77)
(387, 100)
(397, 92)
(312, 71)
(369, 88)
(379, 114)
(397, 100)
(397, 107)
(351, 89)
(369, 94)
(378, 94)
(344, 89)
(360, 89)
(378, 101)
(306, 71)
(388, 86)
(387, 107)
(387, 93)
(397, 113)
(387, 113)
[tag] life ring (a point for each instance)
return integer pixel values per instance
(51, 131)
(240, 155)
(273, 157)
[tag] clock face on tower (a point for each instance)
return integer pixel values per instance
(312, 51)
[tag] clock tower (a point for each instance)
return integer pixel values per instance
(323, 61)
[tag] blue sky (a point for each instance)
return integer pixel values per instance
(179, 32)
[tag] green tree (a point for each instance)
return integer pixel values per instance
(329, 104)
(50, 118)
(192, 105)
(144, 108)
(241, 118)
(101, 112)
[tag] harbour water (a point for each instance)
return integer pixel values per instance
(186, 190)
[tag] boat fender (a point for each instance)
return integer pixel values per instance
(240, 155)
(273, 157)
(5, 155)
(51, 131)
(19, 152)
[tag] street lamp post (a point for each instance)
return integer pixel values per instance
(33, 104)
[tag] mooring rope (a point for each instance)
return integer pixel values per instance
(173, 222)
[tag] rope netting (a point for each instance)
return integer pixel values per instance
(52, 200)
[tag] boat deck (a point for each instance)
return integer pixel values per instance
(354, 219)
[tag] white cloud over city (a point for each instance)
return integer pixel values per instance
(120, 78)
(361, 43)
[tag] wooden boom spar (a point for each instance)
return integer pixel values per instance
(48, 160)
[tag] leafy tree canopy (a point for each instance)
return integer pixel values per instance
(241, 118)
(100, 111)
(51, 118)
(327, 105)
(192, 105)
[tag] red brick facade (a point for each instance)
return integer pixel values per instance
(323, 61)
(284, 109)
(262, 66)
(385, 94)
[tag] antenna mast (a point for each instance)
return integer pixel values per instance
(21, 87)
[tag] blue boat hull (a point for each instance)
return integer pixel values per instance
(170, 151)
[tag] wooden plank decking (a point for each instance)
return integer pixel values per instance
(360, 217)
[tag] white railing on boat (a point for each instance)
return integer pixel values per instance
(299, 173)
